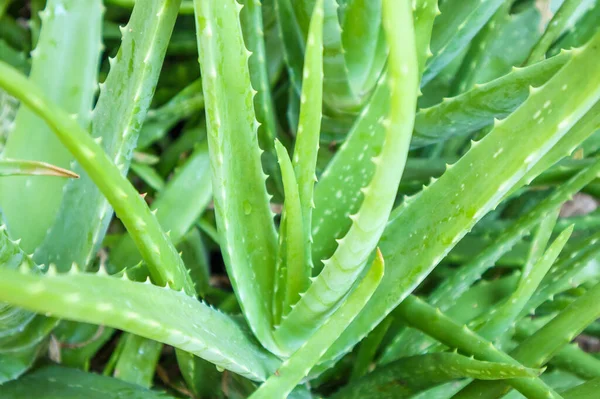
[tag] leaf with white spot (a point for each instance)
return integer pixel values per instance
(411, 375)
(296, 270)
(539, 348)
(555, 28)
(349, 259)
(178, 206)
(166, 267)
(244, 219)
(65, 71)
(156, 313)
(56, 382)
(309, 125)
(453, 287)
(478, 107)
(453, 30)
(121, 108)
(423, 231)
(254, 37)
(294, 369)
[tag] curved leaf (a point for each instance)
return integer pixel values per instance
(156, 313)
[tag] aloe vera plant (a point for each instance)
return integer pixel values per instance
(320, 198)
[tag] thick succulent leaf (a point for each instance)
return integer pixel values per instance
(504, 42)
(581, 32)
(338, 92)
(540, 347)
(583, 129)
(421, 232)
(20, 330)
(294, 369)
(411, 342)
(368, 349)
(361, 32)
(586, 390)
(425, 12)
(157, 250)
(156, 313)
(496, 321)
(200, 376)
(64, 67)
(158, 122)
(177, 207)
(148, 175)
(433, 322)
(453, 30)
(452, 288)
(409, 376)
(15, 167)
(568, 272)
(244, 218)
(187, 7)
(297, 270)
(350, 257)
(56, 382)
(570, 358)
(500, 319)
(480, 106)
(196, 258)
(338, 192)
(254, 35)
(540, 239)
(554, 29)
(293, 48)
(309, 126)
(117, 118)
(137, 360)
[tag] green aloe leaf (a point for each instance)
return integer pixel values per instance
(433, 322)
(295, 272)
(349, 259)
(254, 35)
(501, 318)
(540, 347)
(294, 369)
(21, 331)
(64, 67)
(581, 32)
(540, 240)
(554, 29)
(504, 42)
(425, 12)
(480, 106)
(123, 102)
(56, 382)
(409, 376)
(586, 390)
(421, 232)
(362, 36)
(152, 312)
(161, 257)
(137, 360)
(244, 218)
(454, 29)
(158, 122)
(309, 126)
(177, 206)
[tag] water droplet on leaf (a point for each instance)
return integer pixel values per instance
(247, 208)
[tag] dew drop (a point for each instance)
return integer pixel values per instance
(247, 208)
